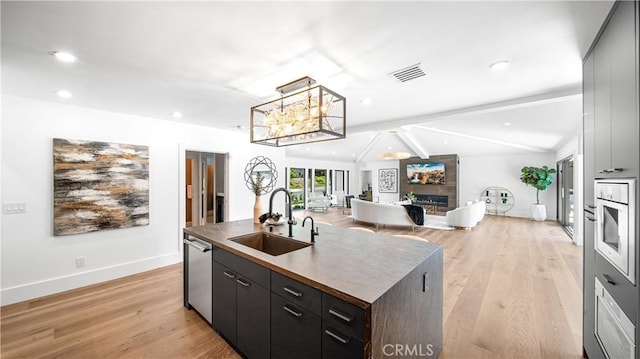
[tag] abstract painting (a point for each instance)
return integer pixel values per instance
(99, 186)
(388, 180)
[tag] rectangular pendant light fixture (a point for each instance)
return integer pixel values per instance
(312, 114)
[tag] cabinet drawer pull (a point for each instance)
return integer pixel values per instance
(614, 170)
(608, 279)
(591, 206)
(590, 219)
(341, 316)
(229, 275)
(243, 283)
(292, 291)
(336, 336)
(292, 311)
(602, 171)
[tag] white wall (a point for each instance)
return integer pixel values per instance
(477, 173)
(34, 262)
(374, 167)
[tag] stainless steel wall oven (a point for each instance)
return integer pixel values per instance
(613, 329)
(615, 224)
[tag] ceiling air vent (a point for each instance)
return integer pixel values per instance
(408, 73)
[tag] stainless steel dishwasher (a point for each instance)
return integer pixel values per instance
(199, 276)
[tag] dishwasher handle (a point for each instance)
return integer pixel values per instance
(199, 245)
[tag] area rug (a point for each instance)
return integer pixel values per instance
(437, 222)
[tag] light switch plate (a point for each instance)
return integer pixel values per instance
(14, 207)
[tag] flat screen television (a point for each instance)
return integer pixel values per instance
(425, 173)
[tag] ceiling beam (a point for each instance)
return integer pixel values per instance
(483, 139)
(368, 147)
(549, 97)
(410, 142)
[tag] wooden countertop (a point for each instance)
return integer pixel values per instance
(356, 266)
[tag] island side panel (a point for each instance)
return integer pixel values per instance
(185, 272)
(407, 320)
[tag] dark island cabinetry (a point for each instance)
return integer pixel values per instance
(295, 319)
(342, 328)
(386, 291)
(240, 304)
(296, 331)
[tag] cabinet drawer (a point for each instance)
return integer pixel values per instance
(254, 272)
(296, 292)
(337, 345)
(342, 316)
(295, 332)
(622, 291)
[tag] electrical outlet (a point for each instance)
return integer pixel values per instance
(15, 207)
(80, 262)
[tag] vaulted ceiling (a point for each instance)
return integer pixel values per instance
(212, 61)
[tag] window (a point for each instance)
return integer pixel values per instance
(296, 187)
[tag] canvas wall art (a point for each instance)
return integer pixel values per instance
(99, 186)
(388, 180)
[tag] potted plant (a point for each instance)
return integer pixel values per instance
(410, 196)
(540, 178)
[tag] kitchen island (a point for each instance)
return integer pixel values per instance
(349, 294)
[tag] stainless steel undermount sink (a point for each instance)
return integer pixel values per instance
(270, 243)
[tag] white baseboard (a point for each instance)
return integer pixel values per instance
(60, 284)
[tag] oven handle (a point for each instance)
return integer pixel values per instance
(611, 170)
(608, 279)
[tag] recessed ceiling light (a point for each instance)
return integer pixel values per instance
(64, 93)
(176, 114)
(389, 147)
(446, 142)
(353, 155)
(307, 149)
(366, 101)
(333, 152)
(500, 65)
(507, 123)
(64, 56)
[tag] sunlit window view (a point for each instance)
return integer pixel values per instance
(296, 187)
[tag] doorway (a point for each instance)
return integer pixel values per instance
(205, 197)
(566, 198)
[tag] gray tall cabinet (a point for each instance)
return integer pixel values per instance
(611, 150)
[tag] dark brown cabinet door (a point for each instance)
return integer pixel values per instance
(295, 332)
(254, 320)
(339, 345)
(224, 301)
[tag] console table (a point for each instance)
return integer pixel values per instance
(499, 200)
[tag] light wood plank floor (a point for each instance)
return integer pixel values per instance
(512, 289)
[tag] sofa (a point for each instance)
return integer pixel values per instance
(379, 213)
(467, 216)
